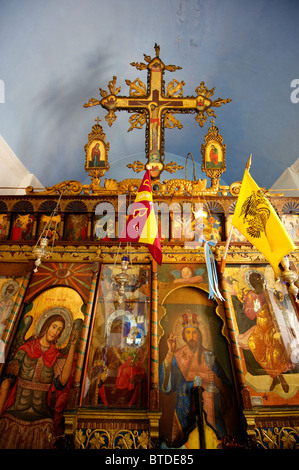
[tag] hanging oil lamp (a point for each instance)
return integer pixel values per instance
(123, 277)
(41, 251)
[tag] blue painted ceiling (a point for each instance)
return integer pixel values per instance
(56, 54)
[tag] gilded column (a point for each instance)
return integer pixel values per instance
(154, 392)
(11, 321)
(236, 353)
(74, 395)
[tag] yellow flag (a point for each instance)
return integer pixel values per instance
(257, 220)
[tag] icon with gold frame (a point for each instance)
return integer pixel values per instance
(96, 151)
(213, 153)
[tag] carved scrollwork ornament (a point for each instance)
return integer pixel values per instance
(111, 439)
(277, 437)
(235, 188)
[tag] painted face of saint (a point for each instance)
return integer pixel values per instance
(54, 331)
(258, 282)
(192, 337)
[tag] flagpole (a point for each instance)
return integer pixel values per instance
(248, 164)
(223, 260)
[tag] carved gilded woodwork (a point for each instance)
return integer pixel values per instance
(273, 429)
(111, 186)
(129, 188)
(171, 167)
(102, 429)
(285, 437)
(66, 187)
(154, 107)
(171, 253)
(111, 439)
(173, 187)
(169, 192)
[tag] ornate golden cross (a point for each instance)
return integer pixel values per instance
(155, 107)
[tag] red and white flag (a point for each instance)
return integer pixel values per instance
(141, 226)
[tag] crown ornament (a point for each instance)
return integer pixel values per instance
(190, 319)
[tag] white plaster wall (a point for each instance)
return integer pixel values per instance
(14, 176)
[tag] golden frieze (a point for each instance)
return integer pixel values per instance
(111, 439)
(172, 253)
(273, 429)
(173, 187)
(277, 438)
(71, 187)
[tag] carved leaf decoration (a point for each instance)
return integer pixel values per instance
(217, 103)
(137, 121)
(210, 112)
(172, 68)
(97, 441)
(172, 167)
(202, 89)
(136, 166)
(175, 88)
(126, 441)
(103, 93)
(137, 88)
(269, 438)
(147, 58)
(91, 102)
(170, 121)
(110, 117)
(112, 85)
(80, 439)
(288, 440)
(201, 118)
(210, 93)
(139, 66)
(144, 440)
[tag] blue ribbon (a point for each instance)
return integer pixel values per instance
(212, 272)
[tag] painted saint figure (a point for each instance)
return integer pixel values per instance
(8, 291)
(95, 156)
(33, 380)
(214, 155)
(188, 367)
(264, 338)
(117, 377)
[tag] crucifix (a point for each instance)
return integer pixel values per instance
(154, 107)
